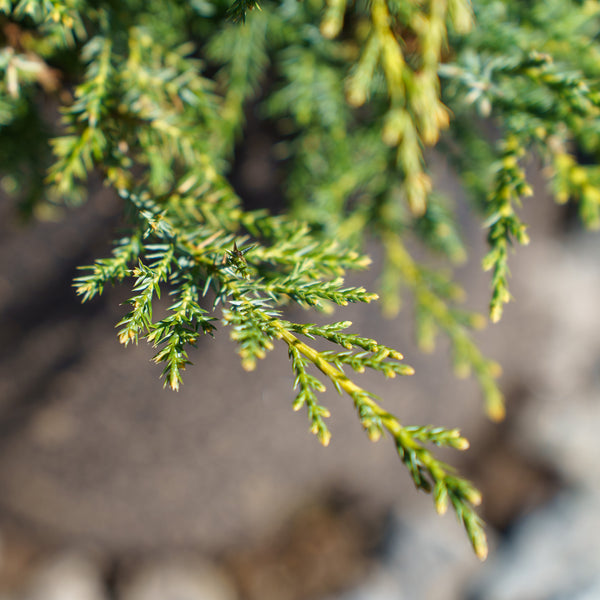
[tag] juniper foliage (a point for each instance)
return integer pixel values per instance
(152, 96)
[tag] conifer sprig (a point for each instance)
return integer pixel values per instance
(333, 169)
(434, 312)
(546, 103)
(427, 472)
(86, 143)
(504, 224)
(307, 385)
(237, 11)
(256, 323)
(242, 55)
(61, 22)
(109, 270)
(415, 115)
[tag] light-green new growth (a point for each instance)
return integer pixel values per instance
(153, 97)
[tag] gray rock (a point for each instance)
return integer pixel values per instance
(424, 558)
(552, 553)
(70, 576)
(178, 580)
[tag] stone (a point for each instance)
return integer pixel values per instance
(178, 579)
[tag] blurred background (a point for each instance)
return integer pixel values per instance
(113, 488)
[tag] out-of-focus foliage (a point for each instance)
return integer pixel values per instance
(152, 96)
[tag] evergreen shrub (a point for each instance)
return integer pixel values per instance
(153, 96)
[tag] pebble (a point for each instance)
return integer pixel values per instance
(182, 579)
(71, 576)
